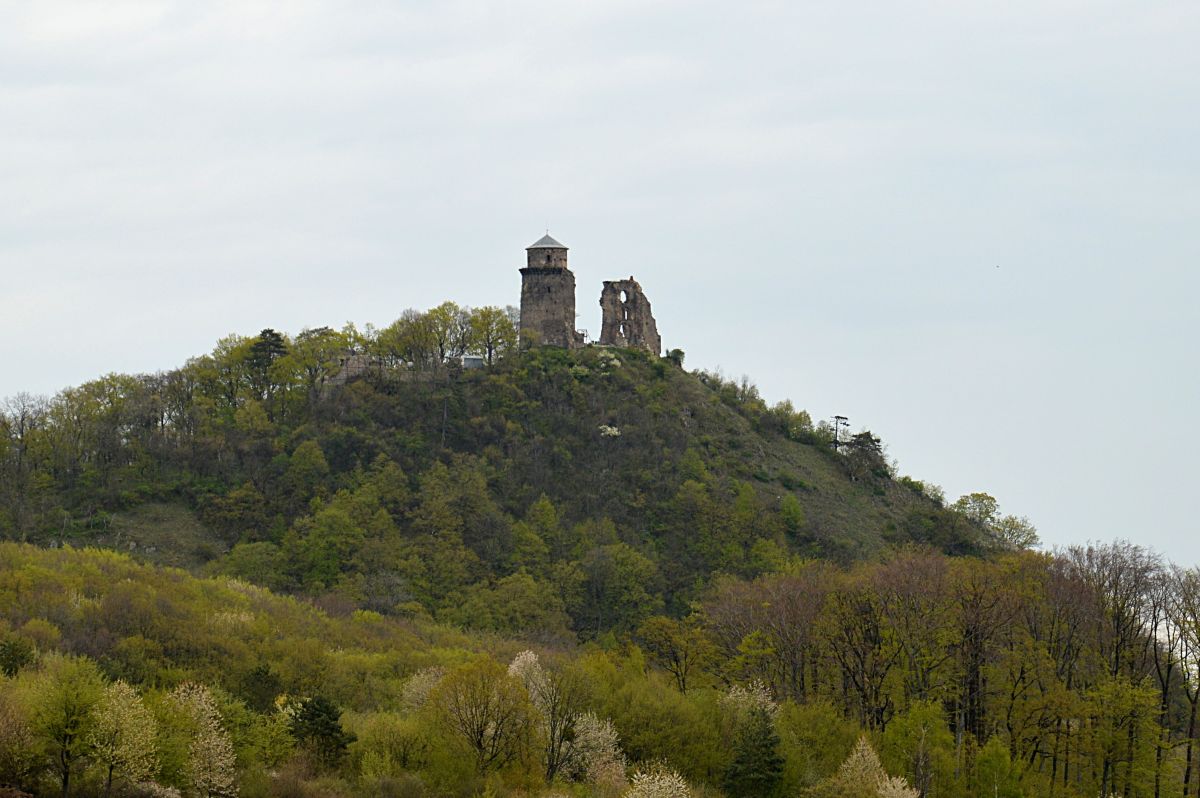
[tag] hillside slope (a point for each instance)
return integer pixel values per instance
(568, 481)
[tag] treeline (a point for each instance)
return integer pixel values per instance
(1025, 674)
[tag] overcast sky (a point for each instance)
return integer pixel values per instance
(972, 227)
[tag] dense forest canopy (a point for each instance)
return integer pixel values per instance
(349, 562)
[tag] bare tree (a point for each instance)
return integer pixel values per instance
(1185, 612)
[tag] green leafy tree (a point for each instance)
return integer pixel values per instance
(994, 773)
(618, 591)
(487, 710)
(490, 332)
(516, 604)
(448, 330)
(66, 692)
(919, 744)
(314, 355)
(15, 653)
(682, 648)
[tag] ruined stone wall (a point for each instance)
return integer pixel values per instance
(627, 320)
(548, 303)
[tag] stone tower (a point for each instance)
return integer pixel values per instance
(548, 297)
(627, 320)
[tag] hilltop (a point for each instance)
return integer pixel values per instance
(369, 472)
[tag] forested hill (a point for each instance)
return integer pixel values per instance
(581, 491)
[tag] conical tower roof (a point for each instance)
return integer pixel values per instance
(546, 242)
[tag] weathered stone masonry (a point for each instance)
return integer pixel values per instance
(627, 318)
(548, 305)
(548, 297)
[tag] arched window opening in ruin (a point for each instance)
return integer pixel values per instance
(624, 297)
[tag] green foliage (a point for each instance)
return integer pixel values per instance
(217, 664)
(366, 466)
(15, 653)
(516, 604)
(65, 693)
(316, 726)
(994, 771)
(757, 767)
(918, 744)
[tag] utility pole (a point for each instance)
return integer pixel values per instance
(838, 423)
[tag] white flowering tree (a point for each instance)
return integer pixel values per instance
(577, 745)
(657, 781)
(741, 701)
(123, 736)
(211, 768)
(862, 776)
(596, 755)
(415, 691)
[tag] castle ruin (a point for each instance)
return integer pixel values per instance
(548, 305)
(627, 318)
(548, 296)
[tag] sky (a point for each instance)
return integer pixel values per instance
(971, 227)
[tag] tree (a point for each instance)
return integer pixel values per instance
(314, 355)
(919, 743)
(1006, 531)
(264, 350)
(683, 648)
(67, 691)
(865, 457)
(657, 781)
(19, 752)
(595, 753)
(15, 653)
(994, 772)
(980, 507)
(757, 766)
(123, 736)
(409, 340)
(316, 725)
(516, 604)
(490, 332)
(862, 776)
(1185, 614)
(619, 585)
(448, 331)
(487, 709)
(558, 695)
(211, 768)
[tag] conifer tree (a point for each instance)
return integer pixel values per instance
(757, 766)
(317, 724)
